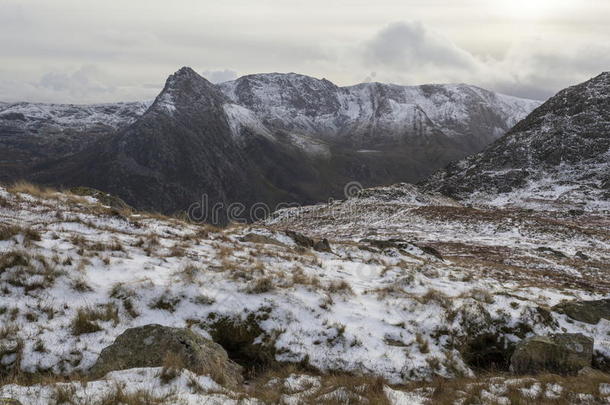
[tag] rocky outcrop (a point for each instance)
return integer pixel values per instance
(558, 353)
(150, 346)
(34, 133)
(559, 152)
(585, 311)
(104, 198)
(321, 245)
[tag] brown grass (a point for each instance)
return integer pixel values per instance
(299, 277)
(172, 367)
(437, 296)
(261, 286)
(339, 287)
(368, 387)
(86, 319)
(29, 234)
(32, 189)
(469, 390)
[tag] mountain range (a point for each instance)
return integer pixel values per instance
(268, 138)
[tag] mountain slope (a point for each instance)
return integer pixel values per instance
(560, 153)
(371, 114)
(269, 138)
(181, 148)
(32, 132)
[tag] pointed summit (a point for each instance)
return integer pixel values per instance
(187, 89)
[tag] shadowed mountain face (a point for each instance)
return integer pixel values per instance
(559, 152)
(270, 138)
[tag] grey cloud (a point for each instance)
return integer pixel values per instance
(219, 76)
(84, 81)
(411, 53)
(85, 85)
(408, 45)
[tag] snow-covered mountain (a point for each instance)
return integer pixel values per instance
(373, 114)
(272, 138)
(32, 133)
(559, 155)
(51, 118)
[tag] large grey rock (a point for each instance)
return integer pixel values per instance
(560, 354)
(149, 345)
(585, 311)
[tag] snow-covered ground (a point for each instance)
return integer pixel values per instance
(410, 279)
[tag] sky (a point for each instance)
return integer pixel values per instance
(89, 51)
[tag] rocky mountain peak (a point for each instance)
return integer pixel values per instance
(560, 152)
(187, 89)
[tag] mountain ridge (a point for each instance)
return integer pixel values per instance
(296, 139)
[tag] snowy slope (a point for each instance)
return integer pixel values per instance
(411, 278)
(344, 310)
(306, 105)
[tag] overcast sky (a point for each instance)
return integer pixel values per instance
(83, 51)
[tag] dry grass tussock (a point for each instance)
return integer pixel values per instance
(476, 390)
(24, 187)
(267, 387)
(7, 231)
(87, 319)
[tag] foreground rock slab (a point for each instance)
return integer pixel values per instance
(560, 354)
(152, 345)
(585, 311)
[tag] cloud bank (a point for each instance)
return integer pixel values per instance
(101, 51)
(410, 52)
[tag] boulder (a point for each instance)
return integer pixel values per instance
(322, 246)
(104, 198)
(150, 345)
(559, 354)
(585, 311)
(261, 239)
(305, 241)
